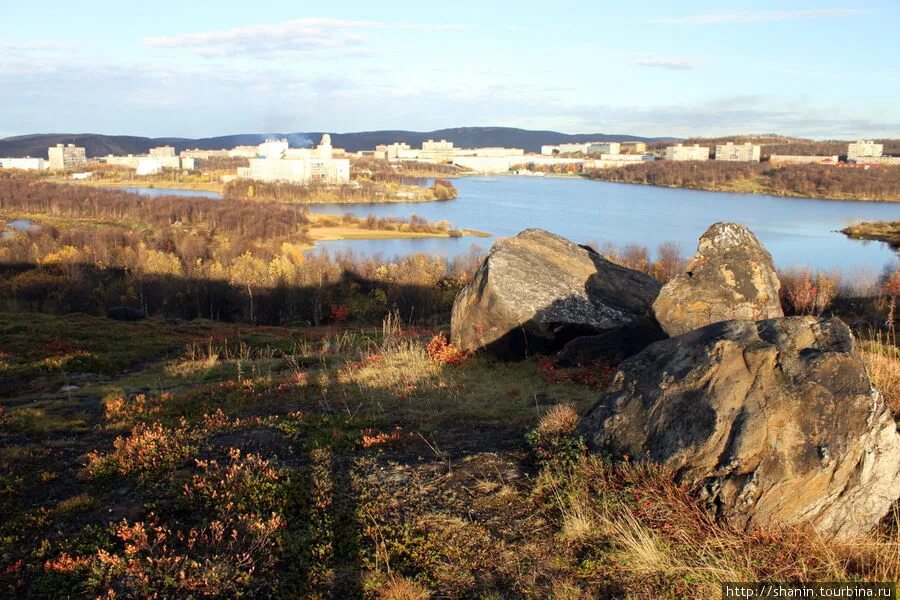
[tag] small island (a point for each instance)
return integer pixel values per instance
(882, 231)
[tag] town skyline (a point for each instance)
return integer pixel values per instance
(814, 70)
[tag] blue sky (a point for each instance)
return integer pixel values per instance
(162, 68)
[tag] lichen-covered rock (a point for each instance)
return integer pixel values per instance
(730, 277)
(536, 291)
(771, 422)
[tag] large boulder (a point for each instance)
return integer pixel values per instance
(730, 277)
(769, 423)
(611, 347)
(536, 291)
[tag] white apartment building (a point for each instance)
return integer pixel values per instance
(25, 164)
(609, 161)
(244, 152)
(550, 150)
(682, 152)
(633, 147)
(162, 151)
(148, 164)
(298, 165)
(802, 159)
(391, 151)
(66, 157)
(863, 149)
(603, 148)
(738, 152)
(198, 154)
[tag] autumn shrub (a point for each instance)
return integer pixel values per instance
(215, 560)
(555, 440)
(441, 350)
(247, 485)
(803, 293)
(146, 450)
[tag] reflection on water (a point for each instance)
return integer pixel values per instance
(157, 192)
(796, 231)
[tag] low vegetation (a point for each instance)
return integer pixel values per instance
(805, 181)
(232, 460)
(882, 231)
(315, 434)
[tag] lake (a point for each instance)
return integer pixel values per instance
(157, 192)
(798, 232)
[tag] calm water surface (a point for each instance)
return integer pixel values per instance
(157, 192)
(798, 232)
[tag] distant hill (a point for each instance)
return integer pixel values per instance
(101, 145)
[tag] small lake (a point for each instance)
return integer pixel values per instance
(157, 192)
(798, 232)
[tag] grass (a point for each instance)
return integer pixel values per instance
(213, 460)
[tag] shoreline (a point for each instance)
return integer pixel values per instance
(219, 188)
(773, 193)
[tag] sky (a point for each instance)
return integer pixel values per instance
(651, 68)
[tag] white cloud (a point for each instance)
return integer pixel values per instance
(297, 35)
(662, 62)
(759, 16)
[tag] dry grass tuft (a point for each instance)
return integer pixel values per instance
(882, 358)
(559, 420)
(401, 588)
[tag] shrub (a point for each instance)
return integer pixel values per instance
(554, 441)
(441, 350)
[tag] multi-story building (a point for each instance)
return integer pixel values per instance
(862, 150)
(198, 154)
(162, 151)
(244, 152)
(25, 164)
(298, 165)
(581, 147)
(738, 152)
(633, 147)
(802, 159)
(887, 161)
(682, 152)
(391, 151)
(147, 164)
(603, 148)
(66, 157)
(609, 161)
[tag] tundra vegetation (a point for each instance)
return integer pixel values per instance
(804, 181)
(316, 435)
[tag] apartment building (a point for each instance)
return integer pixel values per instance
(66, 157)
(738, 152)
(682, 152)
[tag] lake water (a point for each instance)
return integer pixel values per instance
(798, 232)
(157, 192)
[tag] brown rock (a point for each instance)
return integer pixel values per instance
(771, 422)
(536, 291)
(730, 277)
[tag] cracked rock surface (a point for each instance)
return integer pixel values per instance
(730, 277)
(768, 422)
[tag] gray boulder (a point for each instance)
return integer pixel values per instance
(769, 423)
(536, 291)
(730, 277)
